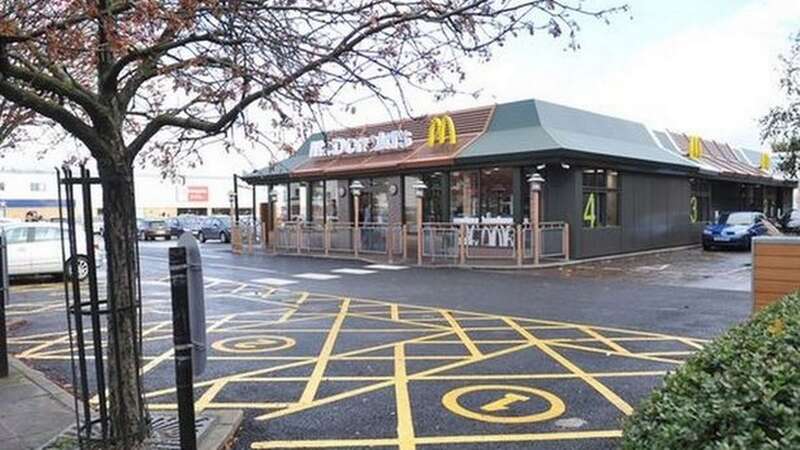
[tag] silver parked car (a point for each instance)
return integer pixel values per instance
(35, 248)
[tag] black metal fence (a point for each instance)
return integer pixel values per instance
(90, 316)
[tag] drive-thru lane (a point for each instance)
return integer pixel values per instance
(353, 355)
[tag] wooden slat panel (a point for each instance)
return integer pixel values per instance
(785, 250)
(786, 286)
(777, 262)
(776, 274)
(763, 299)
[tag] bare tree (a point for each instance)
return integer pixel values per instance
(781, 126)
(159, 78)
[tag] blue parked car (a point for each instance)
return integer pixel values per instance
(734, 229)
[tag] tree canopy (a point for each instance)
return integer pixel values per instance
(781, 126)
(115, 74)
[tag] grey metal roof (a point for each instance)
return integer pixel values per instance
(287, 165)
(534, 125)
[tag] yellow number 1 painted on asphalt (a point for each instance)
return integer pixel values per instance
(503, 403)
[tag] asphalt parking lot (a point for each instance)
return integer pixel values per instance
(341, 354)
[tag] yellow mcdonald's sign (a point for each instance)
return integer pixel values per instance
(695, 147)
(766, 162)
(441, 130)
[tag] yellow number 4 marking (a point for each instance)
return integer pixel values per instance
(503, 403)
(589, 214)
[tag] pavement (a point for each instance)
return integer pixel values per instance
(341, 354)
(26, 394)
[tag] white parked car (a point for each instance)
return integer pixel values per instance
(35, 248)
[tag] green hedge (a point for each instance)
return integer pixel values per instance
(741, 392)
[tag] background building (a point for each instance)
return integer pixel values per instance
(36, 190)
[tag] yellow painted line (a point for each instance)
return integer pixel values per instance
(220, 322)
(692, 343)
(395, 312)
(433, 440)
(405, 423)
(532, 437)
(609, 352)
(403, 321)
(257, 372)
(374, 387)
(675, 353)
(289, 313)
(208, 396)
(608, 342)
(157, 360)
(34, 350)
(324, 355)
(473, 350)
(529, 323)
(610, 395)
(540, 376)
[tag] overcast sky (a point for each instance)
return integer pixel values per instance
(708, 67)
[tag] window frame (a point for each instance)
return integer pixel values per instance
(596, 194)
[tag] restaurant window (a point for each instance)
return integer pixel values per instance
(432, 202)
(374, 201)
(410, 200)
(281, 196)
(699, 201)
(318, 201)
(464, 194)
(332, 200)
(497, 192)
(298, 201)
(600, 198)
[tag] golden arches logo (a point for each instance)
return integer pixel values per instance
(442, 130)
(695, 147)
(765, 162)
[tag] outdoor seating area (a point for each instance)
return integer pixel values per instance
(442, 243)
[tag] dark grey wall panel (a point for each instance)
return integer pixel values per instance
(654, 214)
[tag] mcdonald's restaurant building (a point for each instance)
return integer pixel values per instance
(614, 185)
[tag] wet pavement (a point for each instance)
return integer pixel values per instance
(696, 268)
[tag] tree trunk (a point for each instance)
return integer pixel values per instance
(126, 402)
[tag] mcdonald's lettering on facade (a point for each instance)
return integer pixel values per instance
(611, 186)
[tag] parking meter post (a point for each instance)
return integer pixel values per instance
(3, 301)
(182, 339)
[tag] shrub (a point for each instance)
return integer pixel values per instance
(740, 392)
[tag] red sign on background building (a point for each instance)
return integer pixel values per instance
(197, 193)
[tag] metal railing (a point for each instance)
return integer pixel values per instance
(478, 244)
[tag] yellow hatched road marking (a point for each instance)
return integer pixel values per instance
(612, 397)
(473, 350)
(405, 423)
(324, 355)
(609, 352)
(289, 313)
(608, 342)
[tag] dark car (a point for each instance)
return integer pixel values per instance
(183, 223)
(790, 222)
(735, 229)
(154, 229)
(215, 227)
